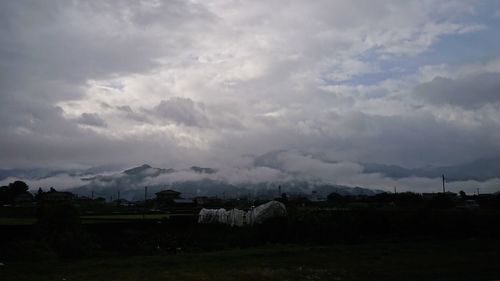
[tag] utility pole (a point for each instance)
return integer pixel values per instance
(145, 199)
(395, 190)
(444, 181)
(92, 196)
(478, 191)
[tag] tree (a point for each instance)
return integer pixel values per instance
(18, 187)
(383, 197)
(442, 201)
(335, 198)
(462, 194)
(39, 194)
(10, 192)
(4, 195)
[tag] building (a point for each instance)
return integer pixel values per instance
(166, 198)
(168, 195)
(439, 195)
(54, 196)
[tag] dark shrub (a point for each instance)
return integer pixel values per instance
(59, 225)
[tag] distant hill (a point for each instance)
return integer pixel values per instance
(105, 181)
(131, 184)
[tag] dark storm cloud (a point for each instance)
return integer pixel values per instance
(468, 92)
(133, 115)
(48, 52)
(91, 119)
(182, 111)
(34, 117)
(416, 140)
(74, 40)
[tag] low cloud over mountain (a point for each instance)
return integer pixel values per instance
(295, 171)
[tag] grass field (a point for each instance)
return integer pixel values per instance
(89, 218)
(17, 221)
(451, 260)
(123, 217)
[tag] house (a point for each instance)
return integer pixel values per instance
(166, 198)
(167, 195)
(53, 196)
(184, 203)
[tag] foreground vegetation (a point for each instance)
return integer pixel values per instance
(383, 237)
(451, 260)
(108, 218)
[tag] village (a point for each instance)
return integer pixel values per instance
(17, 195)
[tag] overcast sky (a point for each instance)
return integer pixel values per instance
(329, 84)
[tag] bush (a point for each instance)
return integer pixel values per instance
(59, 226)
(26, 250)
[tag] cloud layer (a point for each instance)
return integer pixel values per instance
(218, 83)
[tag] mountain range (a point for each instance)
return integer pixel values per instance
(195, 181)
(107, 181)
(131, 184)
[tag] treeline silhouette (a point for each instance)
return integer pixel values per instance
(10, 192)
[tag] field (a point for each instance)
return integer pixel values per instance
(309, 244)
(90, 219)
(451, 260)
(17, 221)
(122, 217)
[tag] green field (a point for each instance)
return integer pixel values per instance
(123, 217)
(89, 218)
(452, 260)
(17, 221)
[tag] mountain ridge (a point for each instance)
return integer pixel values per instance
(130, 183)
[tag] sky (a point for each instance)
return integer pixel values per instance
(322, 86)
